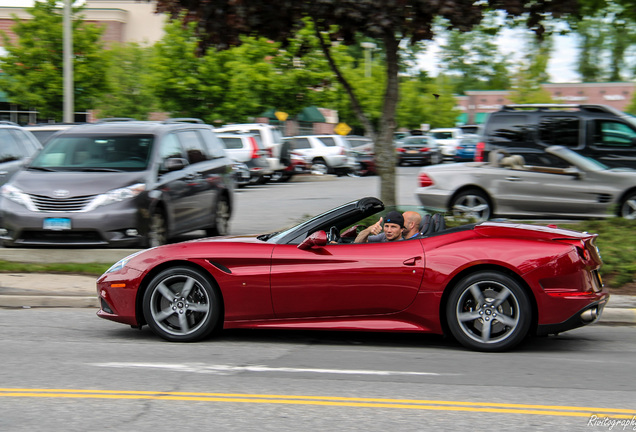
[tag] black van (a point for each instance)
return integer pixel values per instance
(597, 131)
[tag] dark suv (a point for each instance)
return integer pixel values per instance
(597, 131)
(120, 184)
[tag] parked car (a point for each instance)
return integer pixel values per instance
(557, 182)
(447, 139)
(465, 151)
(361, 144)
(488, 285)
(597, 131)
(120, 183)
(328, 154)
(43, 131)
(248, 149)
(278, 156)
(17, 145)
(418, 150)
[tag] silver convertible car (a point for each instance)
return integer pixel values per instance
(556, 182)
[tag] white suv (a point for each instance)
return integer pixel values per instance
(247, 149)
(447, 139)
(272, 140)
(327, 154)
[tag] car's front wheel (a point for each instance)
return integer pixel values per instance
(489, 311)
(628, 207)
(471, 204)
(181, 305)
(221, 219)
(157, 230)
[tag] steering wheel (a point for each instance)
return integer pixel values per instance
(334, 235)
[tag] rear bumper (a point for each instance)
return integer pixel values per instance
(587, 315)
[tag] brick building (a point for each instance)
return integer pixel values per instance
(476, 104)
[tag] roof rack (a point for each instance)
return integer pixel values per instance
(548, 106)
(183, 120)
(115, 119)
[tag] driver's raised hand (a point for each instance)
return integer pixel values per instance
(376, 228)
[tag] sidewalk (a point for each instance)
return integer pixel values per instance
(22, 290)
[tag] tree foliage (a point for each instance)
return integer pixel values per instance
(130, 93)
(33, 65)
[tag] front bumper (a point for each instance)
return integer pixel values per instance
(115, 225)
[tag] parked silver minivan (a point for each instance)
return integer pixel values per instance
(120, 184)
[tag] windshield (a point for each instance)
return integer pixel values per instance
(583, 162)
(95, 153)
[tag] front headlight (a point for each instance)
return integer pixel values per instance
(122, 262)
(117, 195)
(16, 195)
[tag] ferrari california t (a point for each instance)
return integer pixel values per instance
(489, 285)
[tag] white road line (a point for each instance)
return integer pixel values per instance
(229, 369)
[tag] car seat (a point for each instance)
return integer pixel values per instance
(438, 222)
(426, 226)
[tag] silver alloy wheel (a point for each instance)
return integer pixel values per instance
(628, 208)
(157, 231)
(222, 218)
(487, 312)
(319, 168)
(181, 304)
(471, 205)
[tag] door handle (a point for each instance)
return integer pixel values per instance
(411, 261)
(513, 178)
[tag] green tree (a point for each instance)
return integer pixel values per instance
(526, 87)
(474, 56)
(33, 65)
(418, 104)
(130, 93)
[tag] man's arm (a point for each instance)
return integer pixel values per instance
(374, 229)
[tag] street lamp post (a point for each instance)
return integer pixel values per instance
(68, 64)
(368, 49)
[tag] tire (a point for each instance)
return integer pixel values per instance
(157, 234)
(628, 207)
(276, 176)
(221, 225)
(471, 204)
(488, 311)
(319, 167)
(181, 305)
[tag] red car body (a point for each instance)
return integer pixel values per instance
(304, 278)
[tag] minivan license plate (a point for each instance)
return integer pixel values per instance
(57, 224)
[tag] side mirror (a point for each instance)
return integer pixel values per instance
(574, 172)
(319, 238)
(174, 164)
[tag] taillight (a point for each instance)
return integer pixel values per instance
(479, 151)
(425, 180)
(424, 149)
(400, 150)
(255, 154)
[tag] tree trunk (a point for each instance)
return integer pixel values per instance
(384, 150)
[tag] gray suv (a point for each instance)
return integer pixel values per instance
(120, 184)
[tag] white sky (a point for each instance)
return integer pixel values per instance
(561, 66)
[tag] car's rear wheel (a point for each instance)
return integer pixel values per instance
(221, 219)
(319, 167)
(181, 305)
(471, 204)
(488, 311)
(628, 207)
(157, 230)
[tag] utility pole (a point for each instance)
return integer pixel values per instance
(69, 109)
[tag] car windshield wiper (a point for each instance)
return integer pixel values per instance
(99, 170)
(37, 168)
(265, 237)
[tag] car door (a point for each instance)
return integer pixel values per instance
(546, 189)
(346, 279)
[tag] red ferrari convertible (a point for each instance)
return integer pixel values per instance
(490, 285)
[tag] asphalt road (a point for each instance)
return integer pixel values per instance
(67, 370)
